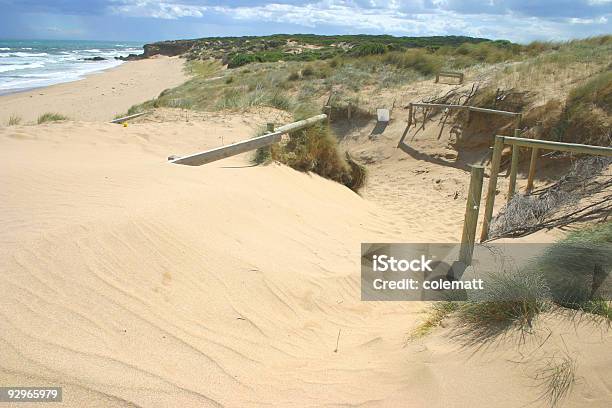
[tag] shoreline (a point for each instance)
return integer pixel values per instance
(98, 96)
(8, 92)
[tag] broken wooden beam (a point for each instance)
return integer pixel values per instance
(123, 119)
(233, 149)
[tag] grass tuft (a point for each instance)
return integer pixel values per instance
(557, 379)
(510, 298)
(314, 149)
(14, 120)
(436, 314)
(576, 269)
(50, 117)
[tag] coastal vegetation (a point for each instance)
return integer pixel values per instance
(50, 117)
(563, 280)
(569, 85)
(303, 73)
(315, 149)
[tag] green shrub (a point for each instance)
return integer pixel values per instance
(239, 60)
(369, 49)
(294, 76)
(335, 63)
(308, 71)
(419, 60)
(50, 117)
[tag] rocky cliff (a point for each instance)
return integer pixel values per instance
(167, 48)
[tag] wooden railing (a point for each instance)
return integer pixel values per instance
(273, 136)
(411, 116)
(517, 143)
(458, 75)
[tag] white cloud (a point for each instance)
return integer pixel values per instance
(157, 9)
(332, 13)
(588, 21)
(413, 17)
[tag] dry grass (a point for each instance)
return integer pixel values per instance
(557, 67)
(587, 117)
(556, 379)
(14, 120)
(524, 211)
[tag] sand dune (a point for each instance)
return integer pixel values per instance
(133, 282)
(130, 279)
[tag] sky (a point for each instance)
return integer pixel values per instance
(149, 20)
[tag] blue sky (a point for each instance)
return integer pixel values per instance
(148, 20)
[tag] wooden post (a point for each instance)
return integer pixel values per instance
(534, 158)
(517, 124)
(410, 115)
(472, 207)
(437, 78)
(495, 161)
(514, 166)
(410, 110)
(348, 112)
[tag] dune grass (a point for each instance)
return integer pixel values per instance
(314, 149)
(576, 269)
(205, 68)
(587, 116)
(568, 278)
(567, 83)
(556, 379)
(14, 120)
(50, 117)
(436, 314)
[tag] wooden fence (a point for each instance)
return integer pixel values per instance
(516, 143)
(273, 136)
(450, 74)
(411, 118)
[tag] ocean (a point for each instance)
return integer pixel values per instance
(27, 64)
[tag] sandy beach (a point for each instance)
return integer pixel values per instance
(99, 96)
(132, 282)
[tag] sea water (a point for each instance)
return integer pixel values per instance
(27, 64)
